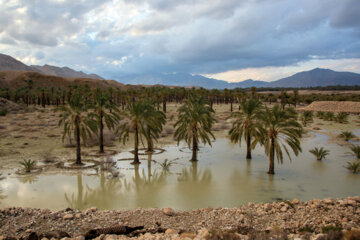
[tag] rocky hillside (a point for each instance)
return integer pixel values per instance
(318, 77)
(8, 63)
(63, 72)
(16, 79)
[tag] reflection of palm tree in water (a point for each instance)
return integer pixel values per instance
(193, 175)
(77, 202)
(194, 187)
(28, 179)
(2, 196)
(108, 194)
(147, 184)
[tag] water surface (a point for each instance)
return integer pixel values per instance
(222, 177)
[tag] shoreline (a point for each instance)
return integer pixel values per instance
(280, 220)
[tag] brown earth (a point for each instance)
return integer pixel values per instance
(17, 79)
(278, 220)
(333, 106)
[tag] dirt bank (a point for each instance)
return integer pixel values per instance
(282, 220)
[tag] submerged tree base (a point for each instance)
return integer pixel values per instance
(72, 165)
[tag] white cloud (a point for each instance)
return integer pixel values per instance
(275, 73)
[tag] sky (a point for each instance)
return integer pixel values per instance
(232, 40)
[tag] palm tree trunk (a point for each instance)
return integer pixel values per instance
(78, 143)
(271, 157)
(80, 191)
(164, 105)
(231, 106)
(101, 133)
(149, 166)
(194, 172)
(248, 147)
(150, 147)
(136, 150)
(194, 149)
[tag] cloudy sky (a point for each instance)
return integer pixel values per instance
(227, 39)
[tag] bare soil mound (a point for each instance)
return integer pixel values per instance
(333, 106)
(9, 105)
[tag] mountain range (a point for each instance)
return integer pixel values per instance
(8, 63)
(314, 78)
(317, 77)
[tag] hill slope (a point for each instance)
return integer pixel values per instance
(8, 63)
(188, 80)
(63, 72)
(313, 78)
(318, 77)
(17, 79)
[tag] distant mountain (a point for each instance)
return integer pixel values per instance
(63, 72)
(248, 84)
(8, 63)
(318, 77)
(314, 78)
(188, 80)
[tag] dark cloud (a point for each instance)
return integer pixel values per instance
(115, 38)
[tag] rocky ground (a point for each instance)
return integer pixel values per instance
(316, 219)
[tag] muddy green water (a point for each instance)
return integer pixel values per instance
(222, 177)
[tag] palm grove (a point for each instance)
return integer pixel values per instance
(141, 117)
(138, 114)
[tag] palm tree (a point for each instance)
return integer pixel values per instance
(77, 121)
(104, 112)
(276, 128)
(319, 153)
(139, 116)
(244, 124)
(154, 129)
(307, 117)
(195, 119)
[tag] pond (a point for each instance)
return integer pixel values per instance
(222, 177)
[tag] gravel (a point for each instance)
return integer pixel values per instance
(315, 219)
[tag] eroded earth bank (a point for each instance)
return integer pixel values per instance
(316, 219)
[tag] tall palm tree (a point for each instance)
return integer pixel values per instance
(77, 121)
(276, 129)
(153, 128)
(244, 124)
(137, 118)
(195, 119)
(105, 111)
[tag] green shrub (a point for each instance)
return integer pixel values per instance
(166, 165)
(319, 153)
(354, 167)
(355, 150)
(3, 112)
(342, 117)
(346, 135)
(320, 114)
(28, 165)
(331, 228)
(329, 116)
